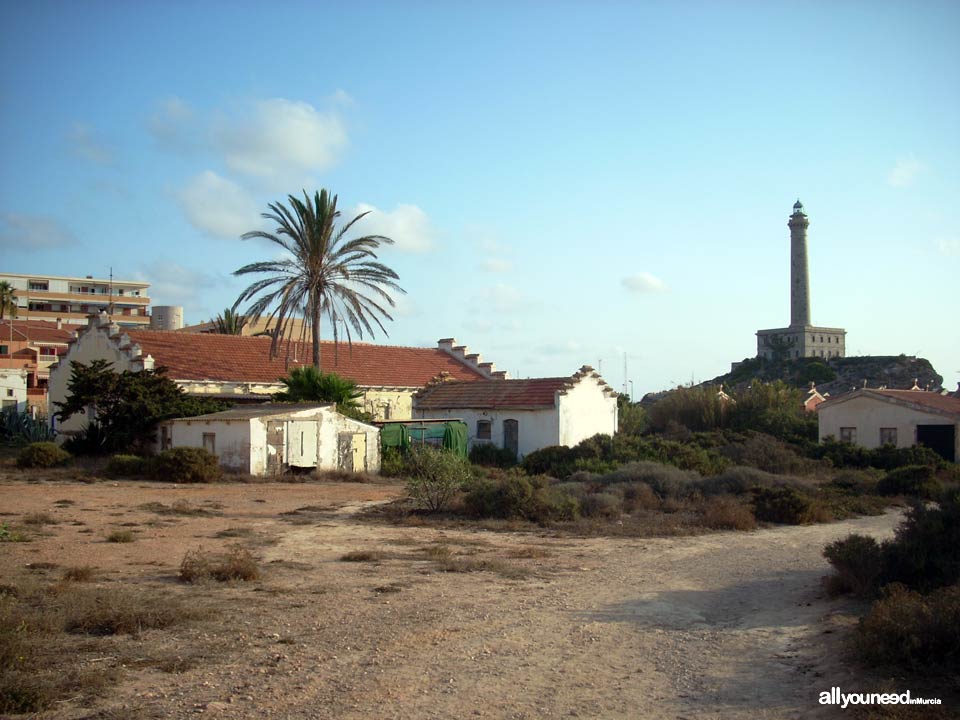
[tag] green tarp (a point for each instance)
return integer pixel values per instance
(450, 435)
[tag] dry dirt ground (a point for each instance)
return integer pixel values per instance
(728, 625)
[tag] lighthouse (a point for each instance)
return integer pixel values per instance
(799, 270)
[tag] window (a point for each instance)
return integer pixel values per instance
(9, 392)
(848, 434)
(484, 428)
(4, 350)
(813, 338)
(888, 436)
(829, 338)
(210, 442)
(41, 286)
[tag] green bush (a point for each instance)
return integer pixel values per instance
(187, 465)
(739, 481)
(392, 464)
(42, 455)
(859, 563)
(435, 476)
(555, 460)
(129, 466)
(666, 481)
(887, 457)
(765, 452)
(601, 504)
(853, 482)
(520, 497)
(914, 480)
(905, 628)
(925, 553)
(782, 504)
(489, 455)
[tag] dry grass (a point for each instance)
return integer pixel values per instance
(78, 573)
(39, 519)
(178, 507)
(528, 552)
(364, 556)
(121, 536)
(238, 564)
(475, 564)
(724, 512)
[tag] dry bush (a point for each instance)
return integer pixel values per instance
(858, 561)
(363, 556)
(78, 573)
(238, 564)
(101, 611)
(179, 507)
(528, 552)
(120, 536)
(39, 519)
(727, 513)
(474, 564)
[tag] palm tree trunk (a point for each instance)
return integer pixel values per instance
(315, 318)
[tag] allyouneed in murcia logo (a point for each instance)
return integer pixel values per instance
(833, 696)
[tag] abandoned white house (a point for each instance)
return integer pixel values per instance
(526, 415)
(872, 418)
(269, 439)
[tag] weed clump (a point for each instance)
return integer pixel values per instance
(435, 477)
(42, 455)
(913, 480)
(129, 466)
(120, 536)
(238, 564)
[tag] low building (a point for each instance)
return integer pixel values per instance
(240, 369)
(872, 418)
(72, 299)
(13, 390)
(272, 439)
(525, 415)
(33, 347)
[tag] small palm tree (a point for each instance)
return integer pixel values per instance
(8, 299)
(230, 322)
(307, 384)
(326, 275)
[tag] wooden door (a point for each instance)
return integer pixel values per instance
(275, 448)
(511, 436)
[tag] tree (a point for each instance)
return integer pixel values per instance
(124, 408)
(230, 322)
(8, 299)
(325, 275)
(307, 384)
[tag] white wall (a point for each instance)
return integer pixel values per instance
(868, 415)
(232, 440)
(535, 428)
(13, 389)
(585, 411)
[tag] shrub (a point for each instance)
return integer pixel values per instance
(601, 504)
(915, 480)
(520, 497)
(187, 465)
(906, 628)
(727, 513)
(435, 476)
(858, 562)
(636, 496)
(555, 460)
(853, 482)
(765, 452)
(120, 536)
(78, 573)
(238, 564)
(392, 464)
(738, 481)
(925, 553)
(42, 455)
(665, 480)
(489, 455)
(782, 504)
(129, 466)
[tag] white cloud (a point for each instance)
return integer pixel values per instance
(407, 225)
(948, 246)
(219, 206)
(644, 282)
(174, 126)
(342, 97)
(496, 265)
(905, 171)
(27, 233)
(86, 143)
(561, 348)
(174, 284)
(281, 141)
(503, 298)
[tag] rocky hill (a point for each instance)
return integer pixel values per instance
(837, 375)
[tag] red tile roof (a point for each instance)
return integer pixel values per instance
(935, 401)
(42, 332)
(237, 358)
(493, 394)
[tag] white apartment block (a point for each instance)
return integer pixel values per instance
(73, 299)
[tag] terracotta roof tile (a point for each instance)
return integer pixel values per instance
(38, 331)
(238, 358)
(943, 403)
(493, 394)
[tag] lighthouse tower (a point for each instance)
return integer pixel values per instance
(800, 339)
(799, 271)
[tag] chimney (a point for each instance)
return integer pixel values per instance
(59, 324)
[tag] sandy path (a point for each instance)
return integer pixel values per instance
(728, 625)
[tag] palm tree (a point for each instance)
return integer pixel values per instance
(326, 275)
(307, 384)
(8, 299)
(230, 322)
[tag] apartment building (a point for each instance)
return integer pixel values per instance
(72, 299)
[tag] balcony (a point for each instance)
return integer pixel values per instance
(85, 298)
(75, 318)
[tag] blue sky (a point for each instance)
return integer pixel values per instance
(567, 183)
